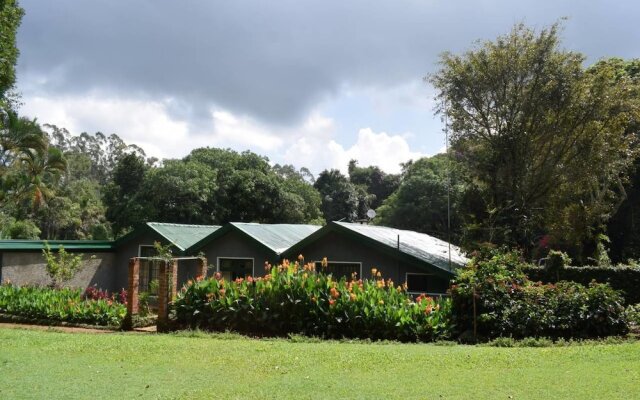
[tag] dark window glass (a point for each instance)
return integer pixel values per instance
(233, 268)
(149, 269)
(339, 270)
(423, 283)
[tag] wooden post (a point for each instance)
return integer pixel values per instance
(132, 292)
(201, 271)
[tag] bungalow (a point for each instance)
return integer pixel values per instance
(105, 263)
(424, 262)
(239, 249)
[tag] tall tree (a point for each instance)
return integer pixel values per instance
(339, 196)
(377, 184)
(420, 203)
(542, 138)
(10, 18)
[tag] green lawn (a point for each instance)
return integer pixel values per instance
(54, 365)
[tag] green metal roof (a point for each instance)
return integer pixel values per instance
(274, 237)
(419, 245)
(277, 237)
(417, 248)
(181, 235)
(39, 245)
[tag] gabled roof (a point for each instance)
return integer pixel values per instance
(276, 238)
(415, 247)
(72, 245)
(182, 236)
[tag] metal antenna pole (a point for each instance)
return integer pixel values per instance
(446, 147)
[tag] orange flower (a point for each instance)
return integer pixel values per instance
(189, 282)
(428, 309)
(222, 292)
(250, 279)
(300, 258)
(334, 293)
(332, 302)
(325, 262)
(352, 297)
(374, 271)
(217, 276)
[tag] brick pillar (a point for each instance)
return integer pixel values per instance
(167, 284)
(201, 271)
(132, 292)
(173, 278)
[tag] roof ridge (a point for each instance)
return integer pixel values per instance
(177, 224)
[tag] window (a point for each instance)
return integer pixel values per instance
(426, 283)
(149, 269)
(340, 269)
(234, 268)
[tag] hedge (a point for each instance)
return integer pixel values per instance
(295, 299)
(62, 305)
(624, 278)
(493, 297)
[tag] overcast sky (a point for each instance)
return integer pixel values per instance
(312, 83)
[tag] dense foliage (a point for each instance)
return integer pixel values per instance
(625, 278)
(492, 297)
(544, 141)
(295, 299)
(543, 156)
(420, 202)
(63, 305)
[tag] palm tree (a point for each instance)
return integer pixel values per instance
(29, 167)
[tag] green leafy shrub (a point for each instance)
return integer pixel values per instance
(65, 305)
(297, 300)
(633, 316)
(61, 267)
(621, 277)
(507, 303)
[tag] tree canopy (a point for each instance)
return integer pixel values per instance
(543, 139)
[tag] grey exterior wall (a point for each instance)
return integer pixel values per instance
(337, 247)
(233, 244)
(126, 251)
(29, 268)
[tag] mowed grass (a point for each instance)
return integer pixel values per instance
(54, 365)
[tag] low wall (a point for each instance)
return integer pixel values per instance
(22, 268)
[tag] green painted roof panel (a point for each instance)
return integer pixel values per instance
(181, 235)
(39, 245)
(277, 237)
(418, 245)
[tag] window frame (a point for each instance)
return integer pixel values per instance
(253, 263)
(148, 276)
(341, 262)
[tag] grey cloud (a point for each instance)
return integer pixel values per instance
(275, 59)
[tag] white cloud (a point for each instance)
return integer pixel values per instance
(151, 125)
(371, 148)
(143, 123)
